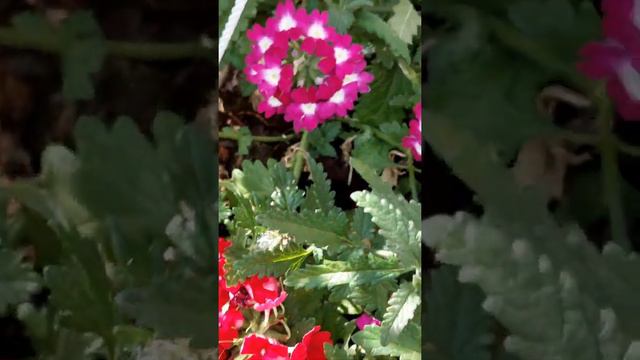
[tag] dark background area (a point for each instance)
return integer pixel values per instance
(34, 114)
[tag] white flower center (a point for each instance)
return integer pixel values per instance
(341, 55)
(338, 97)
(272, 76)
(316, 31)
(318, 80)
(349, 79)
(286, 23)
(308, 108)
(630, 79)
(274, 102)
(264, 44)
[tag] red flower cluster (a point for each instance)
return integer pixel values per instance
(617, 59)
(340, 62)
(262, 295)
(310, 348)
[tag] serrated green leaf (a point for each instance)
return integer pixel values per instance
(334, 273)
(375, 25)
(407, 347)
(243, 263)
(84, 50)
(71, 291)
(402, 308)
(362, 226)
(17, 280)
(371, 150)
(319, 194)
(174, 308)
(374, 107)
(397, 218)
(405, 21)
(456, 326)
(120, 173)
(340, 18)
(321, 138)
(309, 228)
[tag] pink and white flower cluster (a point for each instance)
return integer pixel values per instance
(308, 36)
(413, 141)
(617, 58)
(263, 295)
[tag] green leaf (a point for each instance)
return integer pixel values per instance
(174, 308)
(374, 107)
(375, 25)
(357, 4)
(395, 131)
(558, 24)
(367, 271)
(402, 308)
(405, 21)
(243, 263)
(17, 280)
(71, 291)
(340, 17)
(398, 219)
(335, 352)
(321, 138)
(309, 228)
(84, 50)
(457, 327)
(121, 175)
(371, 150)
(362, 226)
(407, 347)
(509, 85)
(319, 194)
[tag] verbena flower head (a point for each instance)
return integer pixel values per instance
(413, 141)
(617, 58)
(366, 319)
(301, 49)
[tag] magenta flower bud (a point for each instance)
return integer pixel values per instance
(366, 319)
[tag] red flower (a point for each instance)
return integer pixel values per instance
(312, 345)
(261, 347)
(261, 294)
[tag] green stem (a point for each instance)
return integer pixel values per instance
(298, 162)
(610, 174)
(264, 139)
(412, 176)
(137, 50)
